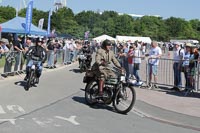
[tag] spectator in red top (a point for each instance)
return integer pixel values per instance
(130, 61)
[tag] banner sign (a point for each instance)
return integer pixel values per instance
(40, 23)
(29, 11)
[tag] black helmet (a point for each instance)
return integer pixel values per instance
(106, 43)
(85, 46)
(87, 42)
(38, 40)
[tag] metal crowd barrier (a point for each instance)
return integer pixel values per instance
(143, 71)
(60, 57)
(57, 57)
(165, 75)
(12, 63)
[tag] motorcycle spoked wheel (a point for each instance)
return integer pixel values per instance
(124, 99)
(82, 67)
(91, 90)
(29, 81)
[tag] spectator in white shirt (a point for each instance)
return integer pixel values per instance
(155, 53)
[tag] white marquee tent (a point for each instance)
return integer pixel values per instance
(104, 37)
(133, 39)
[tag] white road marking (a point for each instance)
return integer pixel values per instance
(43, 123)
(57, 125)
(16, 109)
(70, 119)
(12, 121)
(141, 113)
(1, 110)
(138, 112)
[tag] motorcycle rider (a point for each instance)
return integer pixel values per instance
(87, 51)
(103, 58)
(36, 53)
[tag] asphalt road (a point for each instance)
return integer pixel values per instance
(57, 105)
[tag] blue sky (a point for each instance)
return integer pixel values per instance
(187, 9)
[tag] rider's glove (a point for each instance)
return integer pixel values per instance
(122, 69)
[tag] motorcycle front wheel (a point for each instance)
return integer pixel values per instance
(81, 66)
(29, 81)
(124, 99)
(91, 90)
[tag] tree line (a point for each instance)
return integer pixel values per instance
(64, 21)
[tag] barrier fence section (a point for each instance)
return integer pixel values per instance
(143, 70)
(165, 74)
(12, 62)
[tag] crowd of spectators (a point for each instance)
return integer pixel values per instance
(185, 60)
(13, 49)
(129, 54)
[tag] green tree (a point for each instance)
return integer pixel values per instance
(111, 23)
(64, 22)
(6, 13)
(150, 26)
(179, 28)
(124, 25)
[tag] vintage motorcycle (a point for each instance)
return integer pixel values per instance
(116, 91)
(84, 64)
(31, 81)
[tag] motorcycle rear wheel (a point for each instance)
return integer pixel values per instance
(91, 90)
(124, 99)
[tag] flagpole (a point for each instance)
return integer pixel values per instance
(16, 12)
(49, 22)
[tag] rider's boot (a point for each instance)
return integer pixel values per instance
(38, 74)
(37, 80)
(101, 84)
(26, 77)
(27, 73)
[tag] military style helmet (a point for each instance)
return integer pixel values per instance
(106, 43)
(38, 40)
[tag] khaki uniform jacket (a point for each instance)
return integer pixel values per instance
(109, 58)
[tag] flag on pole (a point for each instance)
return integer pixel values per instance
(40, 23)
(29, 11)
(49, 22)
(87, 34)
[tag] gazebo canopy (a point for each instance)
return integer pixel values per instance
(104, 37)
(133, 39)
(18, 24)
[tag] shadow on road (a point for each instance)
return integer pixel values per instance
(22, 84)
(82, 89)
(96, 106)
(180, 93)
(76, 70)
